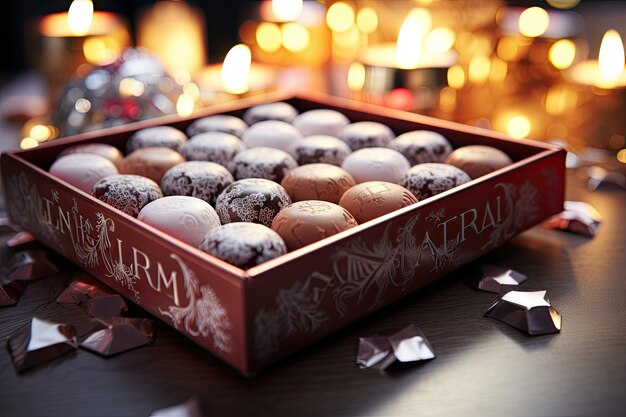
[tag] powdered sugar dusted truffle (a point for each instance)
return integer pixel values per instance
(317, 182)
(218, 147)
(252, 200)
(427, 180)
(268, 163)
(273, 134)
(128, 193)
(372, 199)
(376, 164)
(305, 222)
(284, 112)
(82, 170)
(243, 245)
(361, 135)
(478, 160)
(109, 152)
(320, 122)
(160, 136)
(218, 123)
(151, 162)
(185, 218)
(321, 149)
(421, 146)
(200, 179)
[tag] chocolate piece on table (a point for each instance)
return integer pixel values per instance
(529, 311)
(20, 239)
(97, 301)
(113, 335)
(7, 226)
(491, 278)
(10, 292)
(190, 408)
(599, 176)
(29, 265)
(577, 217)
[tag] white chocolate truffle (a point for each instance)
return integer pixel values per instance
(83, 170)
(185, 218)
(218, 123)
(320, 122)
(361, 135)
(422, 146)
(284, 112)
(376, 164)
(273, 134)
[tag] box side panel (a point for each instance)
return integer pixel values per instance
(192, 295)
(296, 303)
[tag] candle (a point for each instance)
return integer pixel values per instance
(608, 71)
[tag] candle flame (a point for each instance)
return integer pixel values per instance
(611, 57)
(409, 43)
(80, 16)
(236, 69)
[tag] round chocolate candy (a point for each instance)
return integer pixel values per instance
(372, 199)
(478, 160)
(253, 200)
(376, 164)
(321, 149)
(82, 170)
(421, 146)
(317, 182)
(218, 147)
(320, 122)
(305, 222)
(156, 137)
(185, 218)
(271, 111)
(200, 179)
(218, 123)
(109, 152)
(151, 162)
(361, 135)
(269, 163)
(243, 245)
(273, 134)
(128, 193)
(427, 180)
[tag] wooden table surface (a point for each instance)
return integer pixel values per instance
(483, 367)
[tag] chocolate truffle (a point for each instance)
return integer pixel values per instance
(82, 170)
(269, 163)
(421, 146)
(273, 134)
(305, 222)
(322, 149)
(243, 245)
(320, 122)
(151, 162)
(426, 180)
(372, 199)
(200, 179)
(156, 137)
(271, 111)
(478, 160)
(317, 182)
(361, 135)
(218, 123)
(128, 193)
(253, 200)
(376, 164)
(109, 152)
(185, 218)
(218, 147)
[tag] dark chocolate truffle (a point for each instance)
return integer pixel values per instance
(218, 123)
(200, 179)
(82, 170)
(320, 122)
(252, 200)
(128, 193)
(243, 245)
(426, 180)
(160, 136)
(268, 163)
(372, 199)
(109, 152)
(218, 147)
(271, 111)
(361, 135)
(305, 222)
(322, 149)
(273, 134)
(317, 182)
(151, 162)
(478, 160)
(422, 146)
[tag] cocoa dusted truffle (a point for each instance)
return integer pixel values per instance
(200, 179)
(151, 162)
(282, 111)
(218, 147)
(427, 180)
(320, 122)
(243, 245)
(218, 123)
(268, 163)
(273, 134)
(376, 164)
(422, 146)
(156, 137)
(361, 135)
(127, 193)
(372, 199)
(82, 170)
(322, 149)
(478, 160)
(253, 200)
(109, 152)
(317, 182)
(305, 222)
